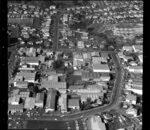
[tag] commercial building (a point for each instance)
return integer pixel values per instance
(100, 68)
(73, 103)
(95, 123)
(50, 101)
(63, 103)
(29, 103)
(39, 100)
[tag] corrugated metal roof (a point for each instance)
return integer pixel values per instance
(53, 84)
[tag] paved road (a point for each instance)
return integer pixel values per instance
(114, 99)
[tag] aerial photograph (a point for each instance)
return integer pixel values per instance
(75, 64)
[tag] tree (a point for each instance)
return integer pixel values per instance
(58, 64)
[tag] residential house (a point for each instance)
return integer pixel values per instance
(53, 78)
(80, 44)
(14, 100)
(105, 77)
(131, 99)
(29, 103)
(50, 101)
(39, 100)
(25, 76)
(95, 123)
(132, 111)
(96, 60)
(73, 103)
(14, 92)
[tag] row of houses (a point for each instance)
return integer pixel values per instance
(20, 101)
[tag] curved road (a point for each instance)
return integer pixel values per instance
(114, 98)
